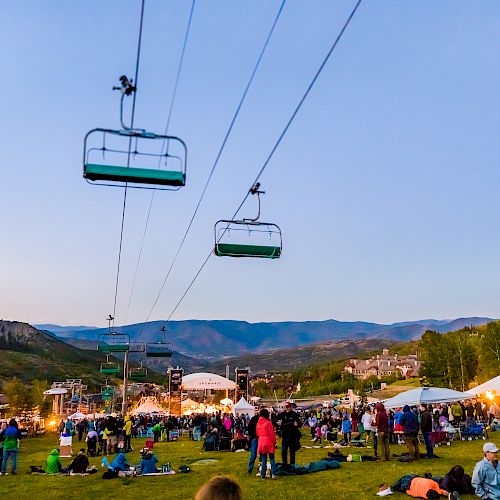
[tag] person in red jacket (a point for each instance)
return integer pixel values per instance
(382, 424)
(267, 443)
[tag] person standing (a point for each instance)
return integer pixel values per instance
(312, 421)
(127, 431)
(3, 426)
(267, 443)
(382, 424)
(10, 446)
(252, 436)
(80, 427)
(409, 421)
(346, 429)
(469, 414)
(457, 412)
(486, 475)
(366, 420)
(290, 434)
(426, 428)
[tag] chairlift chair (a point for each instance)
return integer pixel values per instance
(106, 157)
(133, 155)
(107, 392)
(109, 367)
(113, 342)
(159, 350)
(139, 373)
(248, 237)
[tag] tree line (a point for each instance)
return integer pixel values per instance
(458, 358)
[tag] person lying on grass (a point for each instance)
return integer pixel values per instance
(422, 487)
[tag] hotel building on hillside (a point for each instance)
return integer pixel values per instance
(384, 365)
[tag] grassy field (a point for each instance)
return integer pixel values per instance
(352, 480)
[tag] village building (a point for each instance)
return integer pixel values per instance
(384, 365)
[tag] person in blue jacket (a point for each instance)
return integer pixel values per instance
(486, 475)
(409, 421)
(148, 462)
(119, 464)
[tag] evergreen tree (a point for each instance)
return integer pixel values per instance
(490, 350)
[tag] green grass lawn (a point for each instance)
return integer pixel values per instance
(352, 480)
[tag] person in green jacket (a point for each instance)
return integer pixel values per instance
(457, 412)
(54, 465)
(156, 432)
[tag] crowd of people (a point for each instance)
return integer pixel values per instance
(369, 426)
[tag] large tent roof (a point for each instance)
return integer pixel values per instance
(148, 404)
(197, 381)
(492, 385)
(426, 395)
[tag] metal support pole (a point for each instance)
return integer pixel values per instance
(125, 384)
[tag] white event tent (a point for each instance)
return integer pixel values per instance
(148, 404)
(200, 381)
(492, 385)
(426, 395)
(243, 406)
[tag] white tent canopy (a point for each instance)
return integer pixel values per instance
(226, 402)
(187, 403)
(200, 381)
(243, 406)
(77, 416)
(148, 404)
(492, 385)
(426, 395)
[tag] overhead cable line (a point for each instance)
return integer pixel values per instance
(274, 148)
(138, 58)
(217, 158)
(169, 116)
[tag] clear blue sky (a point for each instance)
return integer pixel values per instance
(386, 187)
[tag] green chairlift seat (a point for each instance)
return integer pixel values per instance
(110, 368)
(139, 373)
(230, 233)
(159, 350)
(98, 172)
(113, 342)
(107, 393)
(238, 250)
(135, 156)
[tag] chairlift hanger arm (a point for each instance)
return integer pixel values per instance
(255, 190)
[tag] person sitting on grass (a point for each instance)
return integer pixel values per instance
(148, 462)
(457, 480)
(239, 441)
(54, 465)
(220, 488)
(79, 464)
(486, 475)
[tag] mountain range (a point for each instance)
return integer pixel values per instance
(209, 340)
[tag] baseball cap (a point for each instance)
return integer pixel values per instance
(490, 447)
